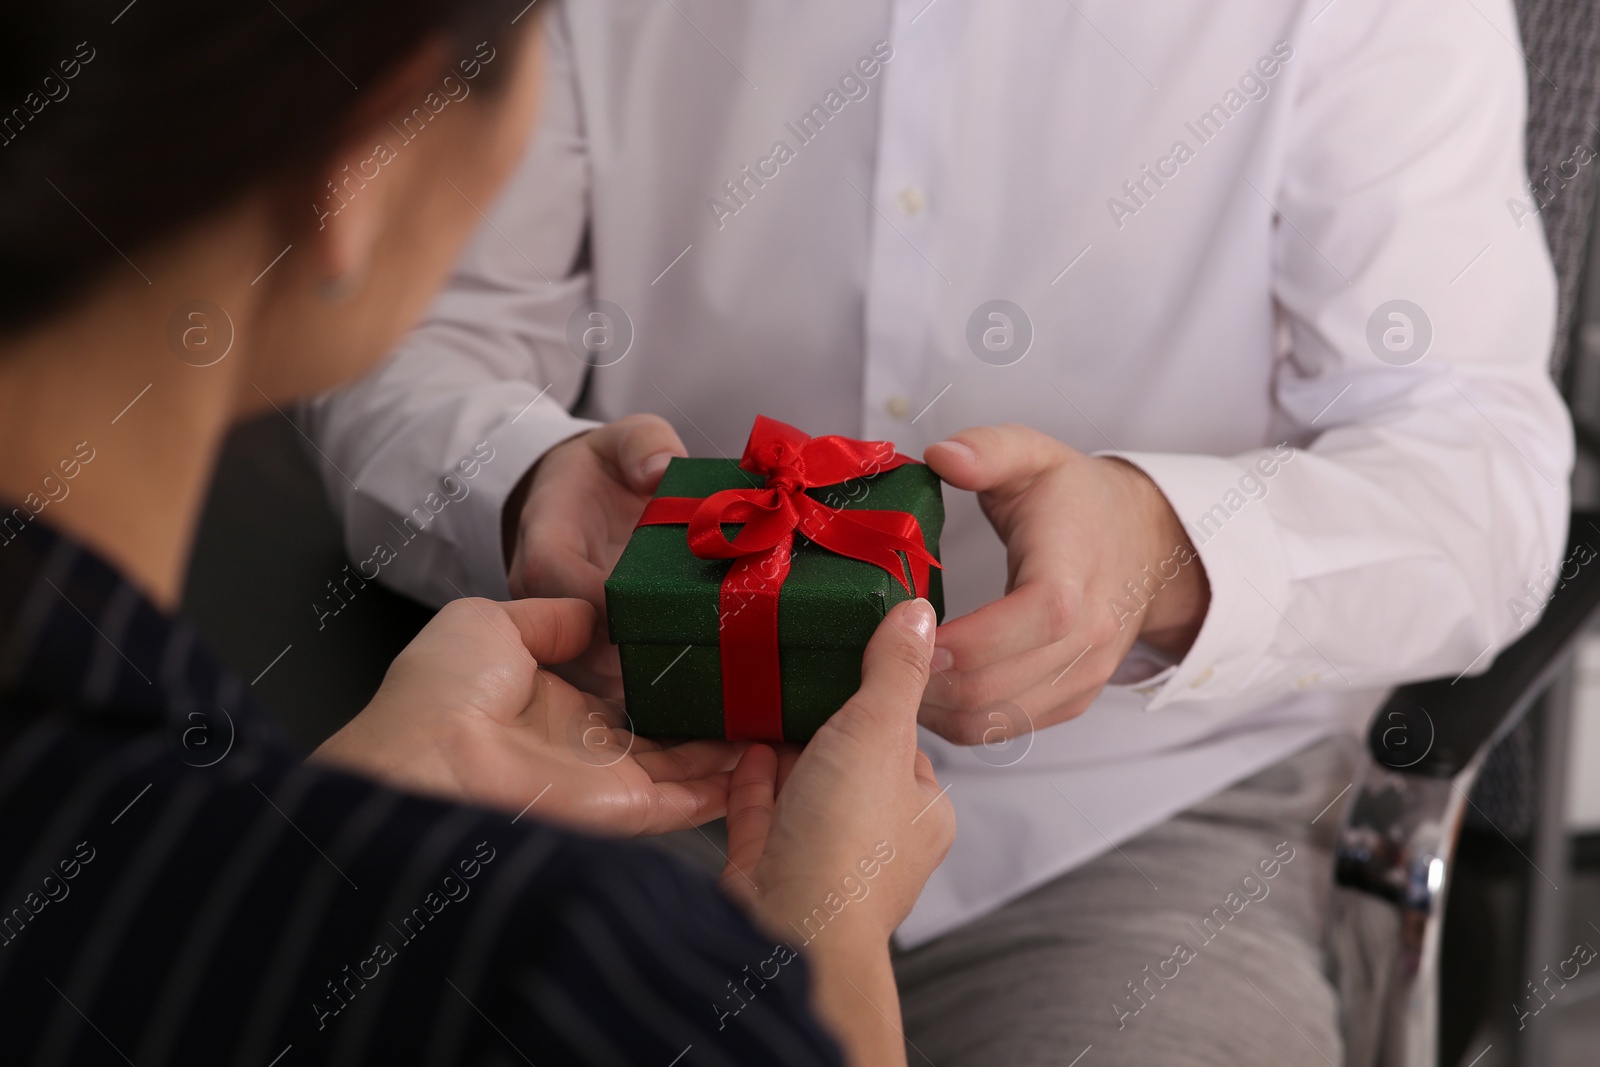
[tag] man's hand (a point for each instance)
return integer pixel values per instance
(466, 713)
(581, 503)
(1078, 530)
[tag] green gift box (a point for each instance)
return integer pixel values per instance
(669, 613)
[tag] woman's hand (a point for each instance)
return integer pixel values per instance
(465, 712)
(830, 849)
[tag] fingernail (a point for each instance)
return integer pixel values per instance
(920, 616)
(942, 660)
(655, 464)
(961, 450)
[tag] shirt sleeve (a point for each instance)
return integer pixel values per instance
(1410, 520)
(419, 457)
(227, 912)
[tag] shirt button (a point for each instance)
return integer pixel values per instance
(1201, 679)
(912, 200)
(897, 406)
(1308, 681)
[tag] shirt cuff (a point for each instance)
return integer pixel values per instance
(1143, 669)
(1238, 544)
(521, 436)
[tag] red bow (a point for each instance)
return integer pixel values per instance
(752, 697)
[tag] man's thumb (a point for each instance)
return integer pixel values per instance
(643, 445)
(1000, 459)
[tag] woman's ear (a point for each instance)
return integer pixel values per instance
(348, 224)
(352, 191)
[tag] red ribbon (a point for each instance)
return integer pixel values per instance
(752, 697)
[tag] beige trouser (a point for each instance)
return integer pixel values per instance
(1163, 953)
(1179, 949)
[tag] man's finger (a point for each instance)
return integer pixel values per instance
(553, 631)
(1057, 694)
(894, 670)
(1031, 616)
(639, 447)
(559, 571)
(1070, 664)
(994, 458)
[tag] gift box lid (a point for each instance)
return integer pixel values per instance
(661, 593)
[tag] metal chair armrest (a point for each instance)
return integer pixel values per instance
(1393, 859)
(1437, 728)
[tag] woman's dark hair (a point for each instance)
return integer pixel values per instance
(122, 122)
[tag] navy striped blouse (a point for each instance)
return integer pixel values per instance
(176, 886)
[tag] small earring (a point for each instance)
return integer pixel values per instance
(339, 290)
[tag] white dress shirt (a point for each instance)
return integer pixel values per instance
(1204, 209)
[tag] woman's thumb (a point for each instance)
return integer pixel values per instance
(895, 668)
